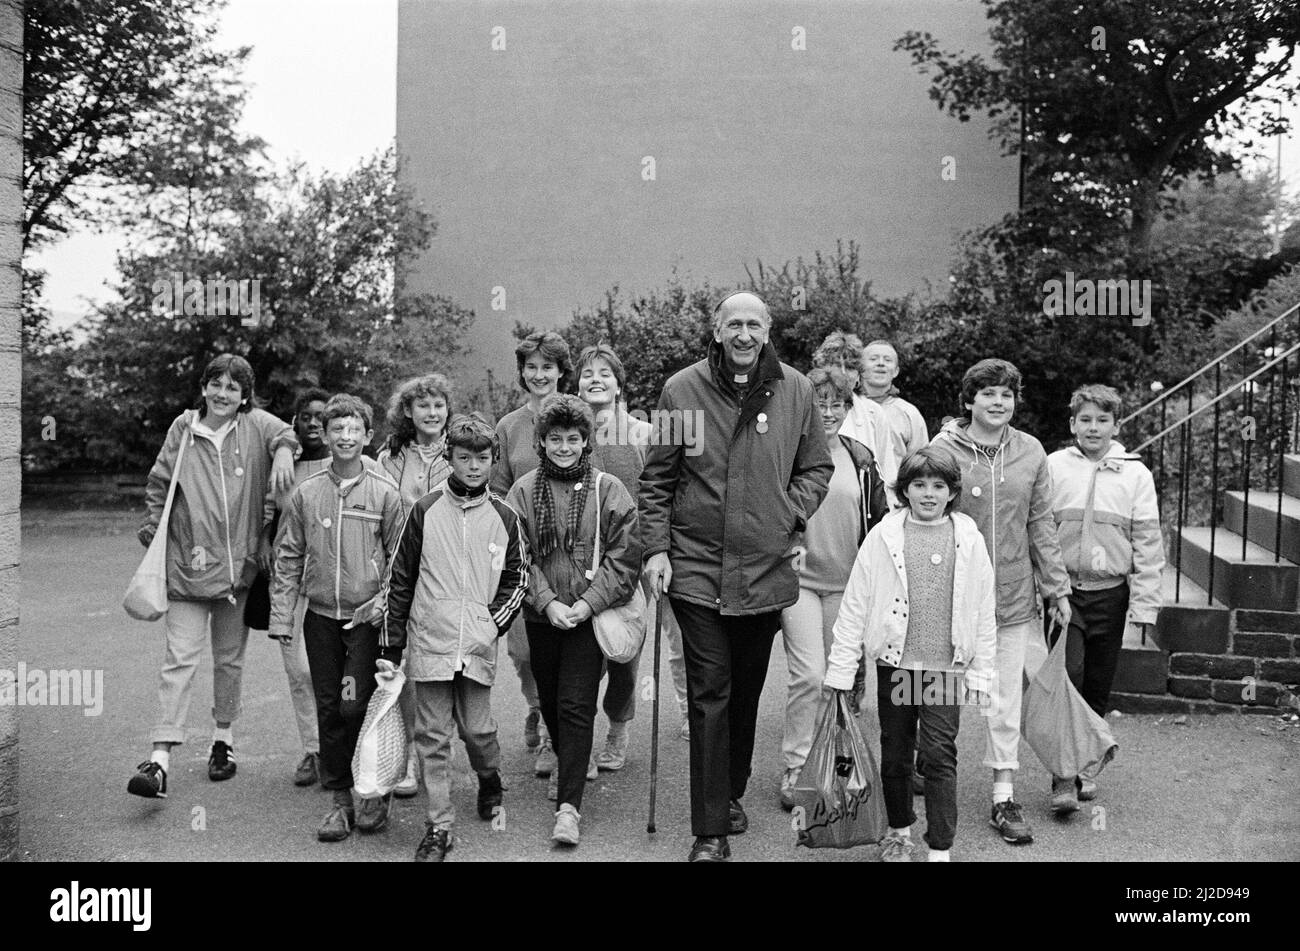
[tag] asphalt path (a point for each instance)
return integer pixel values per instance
(1192, 788)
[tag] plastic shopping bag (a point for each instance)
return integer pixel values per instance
(379, 762)
(1059, 726)
(838, 801)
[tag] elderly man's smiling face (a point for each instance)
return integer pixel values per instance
(742, 327)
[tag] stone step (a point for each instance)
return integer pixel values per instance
(1262, 525)
(1258, 581)
(1143, 667)
(1188, 621)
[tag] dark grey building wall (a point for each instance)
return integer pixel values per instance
(530, 158)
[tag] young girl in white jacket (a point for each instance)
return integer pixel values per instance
(920, 603)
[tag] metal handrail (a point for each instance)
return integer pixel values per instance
(1217, 360)
(1203, 407)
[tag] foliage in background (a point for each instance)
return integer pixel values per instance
(1123, 101)
(323, 250)
(100, 80)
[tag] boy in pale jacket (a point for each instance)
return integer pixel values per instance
(339, 527)
(920, 604)
(1104, 503)
(458, 581)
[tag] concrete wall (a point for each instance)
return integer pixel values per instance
(11, 203)
(530, 158)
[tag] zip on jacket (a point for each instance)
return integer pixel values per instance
(561, 574)
(458, 579)
(728, 511)
(414, 476)
(1109, 525)
(331, 543)
(1002, 493)
(218, 513)
(873, 611)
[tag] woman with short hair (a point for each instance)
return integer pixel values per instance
(233, 452)
(545, 369)
(854, 503)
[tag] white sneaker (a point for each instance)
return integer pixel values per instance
(410, 784)
(566, 826)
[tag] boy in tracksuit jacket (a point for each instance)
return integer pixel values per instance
(338, 529)
(1104, 503)
(1006, 488)
(458, 580)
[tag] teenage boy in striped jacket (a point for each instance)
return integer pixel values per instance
(458, 580)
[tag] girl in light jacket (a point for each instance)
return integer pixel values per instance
(234, 452)
(415, 456)
(920, 603)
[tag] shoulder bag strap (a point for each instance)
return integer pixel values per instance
(171, 488)
(595, 548)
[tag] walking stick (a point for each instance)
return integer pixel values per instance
(654, 719)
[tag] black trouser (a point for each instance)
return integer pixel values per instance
(567, 666)
(932, 698)
(726, 664)
(342, 664)
(1097, 620)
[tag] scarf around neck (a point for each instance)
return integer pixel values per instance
(544, 502)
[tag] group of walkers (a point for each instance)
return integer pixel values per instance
(812, 505)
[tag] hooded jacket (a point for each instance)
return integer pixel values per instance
(726, 512)
(873, 613)
(1010, 498)
(458, 580)
(414, 476)
(334, 545)
(1109, 525)
(907, 430)
(217, 516)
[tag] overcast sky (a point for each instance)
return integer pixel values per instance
(322, 89)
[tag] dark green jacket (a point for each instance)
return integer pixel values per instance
(727, 506)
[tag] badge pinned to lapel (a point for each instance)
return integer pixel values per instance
(762, 423)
